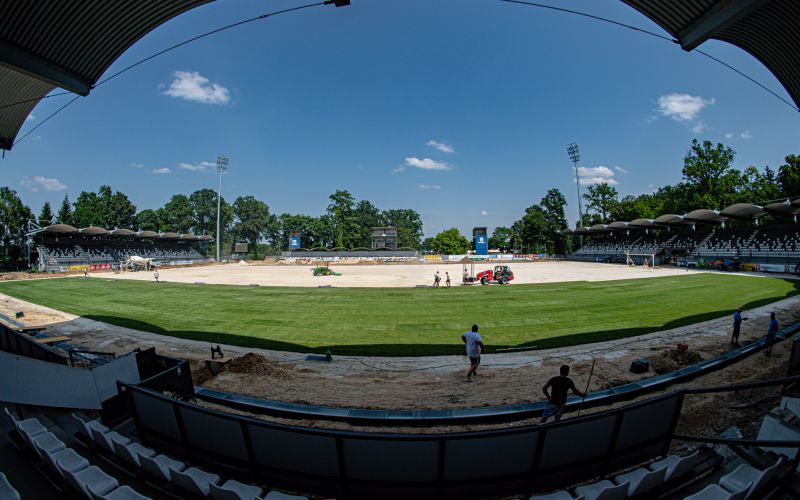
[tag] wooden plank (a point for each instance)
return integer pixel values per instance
(50, 340)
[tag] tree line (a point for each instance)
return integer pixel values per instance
(345, 224)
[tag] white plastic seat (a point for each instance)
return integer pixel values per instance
(234, 490)
(557, 495)
(131, 452)
(716, 492)
(124, 492)
(104, 440)
(7, 491)
(194, 480)
(161, 466)
(87, 426)
(603, 490)
(642, 480)
(677, 466)
(277, 495)
(91, 480)
(748, 478)
(66, 459)
(47, 443)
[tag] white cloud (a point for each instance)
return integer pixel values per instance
(441, 146)
(426, 164)
(729, 135)
(651, 119)
(698, 127)
(426, 187)
(596, 175)
(682, 107)
(203, 166)
(651, 186)
(162, 170)
(620, 170)
(137, 165)
(398, 169)
(39, 183)
(193, 86)
(484, 212)
(746, 135)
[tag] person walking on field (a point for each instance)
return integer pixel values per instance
(772, 330)
(558, 387)
(436, 280)
(475, 348)
(737, 325)
(447, 280)
(155, 276)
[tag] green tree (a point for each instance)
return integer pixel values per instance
(409, 226)
(427, 245)
(176, 215)
(710, 178)
(87, 210)
(65, 212)
(532, 228)
(759, 187)
(789, 176)
(341, 211)
(366, 216)
(46, 215)
(204, 205)
(554, 204)
(450, 242)
(600, 200)
(14, 216)
(104, 209)
(252, 219)
(501, 238)
(147, 220)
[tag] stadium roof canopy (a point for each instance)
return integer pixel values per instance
(705, 215)
(599, 228)
(60, 229)
(669, 219)
(642, 223)
(743, 211)
(93, 231)
(147, 234)
(71, 43)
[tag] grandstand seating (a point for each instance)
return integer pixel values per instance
(56, 257)
(771, 244)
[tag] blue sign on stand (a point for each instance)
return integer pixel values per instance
(294, 243)
(481, 241)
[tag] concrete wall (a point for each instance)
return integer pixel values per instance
(34, 382)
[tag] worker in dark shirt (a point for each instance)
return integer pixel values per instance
(555, 390)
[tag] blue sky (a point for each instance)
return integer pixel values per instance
(460, 109)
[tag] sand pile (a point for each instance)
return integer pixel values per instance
(243, 263)
(674, 359)
(255, 364)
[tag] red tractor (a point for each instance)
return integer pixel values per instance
(501, 275)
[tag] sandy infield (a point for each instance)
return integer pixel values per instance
(393, 275)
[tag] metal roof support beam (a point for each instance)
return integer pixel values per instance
(34, 66)
(716, 19)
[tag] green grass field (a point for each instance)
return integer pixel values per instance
(405, 321)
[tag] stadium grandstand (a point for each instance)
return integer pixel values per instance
(700, 234)
(62, 248)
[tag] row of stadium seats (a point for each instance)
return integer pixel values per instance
(89, 480)
(55, 255)
(191, 480)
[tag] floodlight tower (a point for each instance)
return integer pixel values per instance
(222, 167)
(575, 155)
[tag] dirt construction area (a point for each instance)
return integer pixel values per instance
(392, 275)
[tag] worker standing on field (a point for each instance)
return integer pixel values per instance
(447, 281)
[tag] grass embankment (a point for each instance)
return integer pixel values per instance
(400, 321)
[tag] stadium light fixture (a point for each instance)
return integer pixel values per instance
(222, 167)
(575, 155)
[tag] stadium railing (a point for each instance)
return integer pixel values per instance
(17, 343)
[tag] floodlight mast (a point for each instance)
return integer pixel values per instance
(222, 167)
(575, 155)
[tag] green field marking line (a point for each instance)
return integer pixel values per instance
(400, 321)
